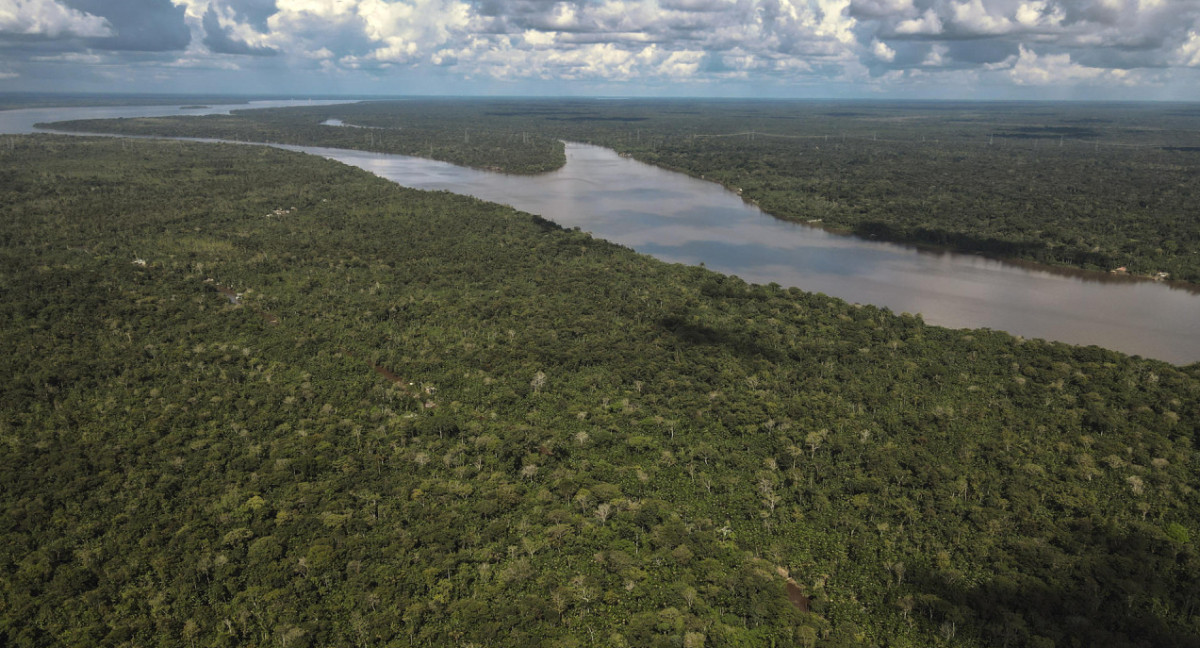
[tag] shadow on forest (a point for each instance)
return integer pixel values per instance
(969, 243)
(546, 225)
(700, 335)
(1094, 586)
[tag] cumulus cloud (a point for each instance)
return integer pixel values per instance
(254, 12)
(1030, 43)
(369, 33)
(406, 31)
(1189, 52)
(1117, 37)
(137, 25)
(1040, 13)
(936, 57)
(882, 52)
(926, 23)
(220, 40)
(615, 39)
(50, 19)
(1031, 69)
(975, 18)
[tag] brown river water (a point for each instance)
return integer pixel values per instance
(681, 219)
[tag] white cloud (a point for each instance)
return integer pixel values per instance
(1032, 69)
(835, 21)
(194, 9)
(681, 64)
(419, 22)
(49, 18)
(1188, 53)
(696, 41)
(232, 29)
(539, 39)
(1006, 64)
(1039, 13)
(928, 23)
(975, 17)
(244, 32)
(320, 8)
(364, 33)
(502, 58)
(936, 56)
(881, 51)
(692, 39)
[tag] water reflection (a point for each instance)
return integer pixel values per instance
(685, 220)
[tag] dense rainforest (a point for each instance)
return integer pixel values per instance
(450, 132)
(258, 398)
(1097, 186)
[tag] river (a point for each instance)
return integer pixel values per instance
(681, 219)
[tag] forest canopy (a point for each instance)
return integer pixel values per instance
(256, 397)
(1097, 186)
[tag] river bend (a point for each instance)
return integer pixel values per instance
(681, 219)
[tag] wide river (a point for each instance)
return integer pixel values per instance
(681, 219)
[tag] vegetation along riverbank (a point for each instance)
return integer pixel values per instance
(1096, 186)
(427, 420)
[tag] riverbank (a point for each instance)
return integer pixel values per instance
(723, 233)
(1097, 229)
(1011, 182)
(1089, 272)
(596, 415)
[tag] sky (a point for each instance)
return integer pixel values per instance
(903, 49)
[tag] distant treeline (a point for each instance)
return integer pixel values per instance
(253, 397)
(1096, 186)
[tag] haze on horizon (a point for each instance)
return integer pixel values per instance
(934, 49)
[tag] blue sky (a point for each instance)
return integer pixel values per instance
(960, 49)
